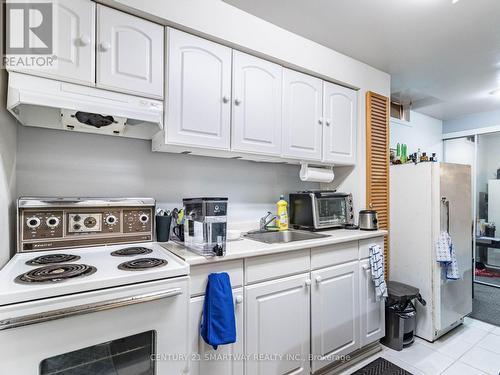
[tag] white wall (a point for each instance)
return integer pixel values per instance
(473, 122)
(8, 129)
(422, 132)
(488, 159)
(59, 163)
(459, 151)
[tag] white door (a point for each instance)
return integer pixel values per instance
(256, 105)
(339, 132)
(129, 53)
(372, 312)
(302, 115)
(199, 92)
(74, 46)
(277, 322)
(223, 361)
(334, 313)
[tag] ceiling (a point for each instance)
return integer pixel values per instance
(443, 57)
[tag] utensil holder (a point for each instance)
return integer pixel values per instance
(163, 228)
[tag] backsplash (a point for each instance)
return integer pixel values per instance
(61, 163)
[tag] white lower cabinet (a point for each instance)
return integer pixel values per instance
(372, 314)
(296, 313)
(277, 326)
(227, 359)
(334, 313)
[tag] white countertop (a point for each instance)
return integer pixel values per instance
(245, 248)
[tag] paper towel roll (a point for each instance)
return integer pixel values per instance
(316, 174)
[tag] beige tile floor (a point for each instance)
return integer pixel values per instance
(470, 349)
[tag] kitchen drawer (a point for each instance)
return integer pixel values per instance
(199, 275)
(270, 267)
(364, 246)
(334, 254)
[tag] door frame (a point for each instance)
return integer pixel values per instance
(474, 133)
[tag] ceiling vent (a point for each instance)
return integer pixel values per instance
(400, 111)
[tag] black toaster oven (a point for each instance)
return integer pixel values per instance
(321, 209)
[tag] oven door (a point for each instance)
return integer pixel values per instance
(136, 329)
(331, 212)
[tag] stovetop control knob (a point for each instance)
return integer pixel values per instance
(52, 222)
(33, 222)
(144, 218)
(111, 220)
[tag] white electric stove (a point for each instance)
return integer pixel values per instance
(39, 275)
(89, 280)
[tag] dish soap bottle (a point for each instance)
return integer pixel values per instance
(282, 221)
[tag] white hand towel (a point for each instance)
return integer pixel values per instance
(443, 245)
(377, 271)
(446, 256)
(452, 272)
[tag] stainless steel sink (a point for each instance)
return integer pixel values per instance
(283, 236)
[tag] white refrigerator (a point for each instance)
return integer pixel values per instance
(426, 199)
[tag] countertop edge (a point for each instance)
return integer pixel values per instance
(262, 249)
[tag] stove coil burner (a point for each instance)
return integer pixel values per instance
(51, 259)
(142, 264)
(56, 273)
(131, 251)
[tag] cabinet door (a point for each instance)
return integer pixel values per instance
(302, 116)
(339, 132)
(256, 105)
(334, 313)
(223, 361)
(372, 312)
(277, 322)
(199, 92)
(130, 53)
(74, 46)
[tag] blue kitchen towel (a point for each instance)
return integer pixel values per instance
(218, 324)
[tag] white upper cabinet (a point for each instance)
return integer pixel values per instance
(339, 131)
(74, 46)
(129, 53)
(277, 322)
(256, 105)
(372, 315)
(199, 92)
(302, 116)
(334, 312)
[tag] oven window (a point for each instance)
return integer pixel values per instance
(332, 210)
(130, 355)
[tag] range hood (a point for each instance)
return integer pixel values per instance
(47, 103)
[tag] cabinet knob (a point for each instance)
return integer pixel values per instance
(225, 99)
(318, 279)
(237, 101)
(328, 122)
(104, 46)
(84, 40)
(308, 282)
(320, 121)
(239, 299)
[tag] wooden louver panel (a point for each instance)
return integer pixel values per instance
(377, 162)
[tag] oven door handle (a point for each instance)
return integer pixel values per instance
(26, 320)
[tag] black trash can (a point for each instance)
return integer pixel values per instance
(400, 315)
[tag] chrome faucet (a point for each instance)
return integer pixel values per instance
(266, 220)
